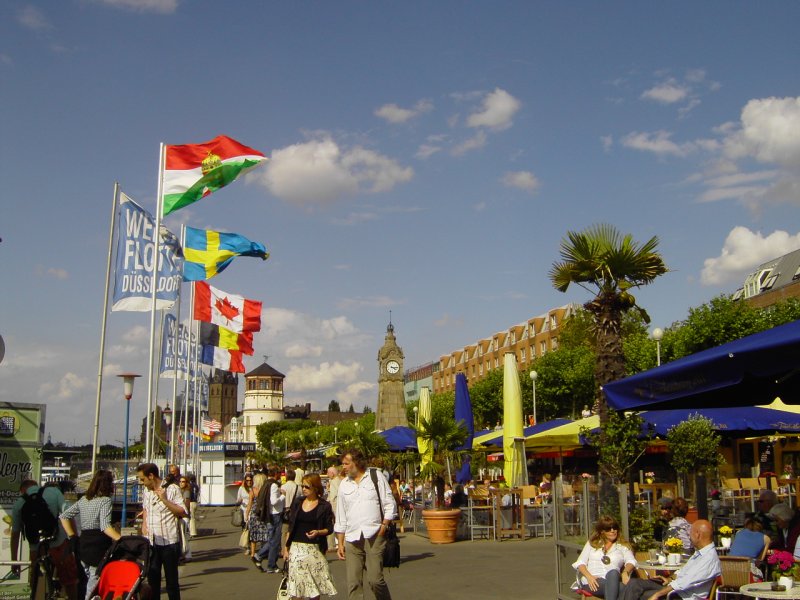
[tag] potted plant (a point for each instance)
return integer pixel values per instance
(673, 547)
(649, 477)
(784, 569)
(725, 533)
(444, 435)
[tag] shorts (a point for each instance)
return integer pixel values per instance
(64, 563)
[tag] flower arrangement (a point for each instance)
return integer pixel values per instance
(783, 564)
(650, 474)
(715, 494)
(788, 472)
(725, 531)
(586, 475)
(673, 544)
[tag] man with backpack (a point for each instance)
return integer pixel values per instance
(35, 514)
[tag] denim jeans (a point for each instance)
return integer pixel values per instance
(272, 547)
(166, 556)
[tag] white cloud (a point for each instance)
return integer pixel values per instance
(448, 320)
(743, 250)
(320, 171)
(479, 206)
(395, 114)
(523, 180)
(657, 142)
(426, 151)
(302, 351)
(367, 302)
(499, 108)
(137, 333)
(361, 392)
(67, 387)
(157, 6)
(667, 92)
(325, 376)
(33, 18)
(55, 273)
(769, 132)
(607, 141)
(473, 143)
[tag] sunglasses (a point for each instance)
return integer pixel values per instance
(611, 529)
(306, 487)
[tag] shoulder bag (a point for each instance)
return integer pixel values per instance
(237, 517)
(391, 554)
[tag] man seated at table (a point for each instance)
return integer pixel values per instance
(693, 581)
(787, 520)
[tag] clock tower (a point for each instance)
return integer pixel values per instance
(391, 401)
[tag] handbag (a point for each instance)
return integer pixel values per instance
(283, 588)
(244, 539)
(391, 553)
(237, 518)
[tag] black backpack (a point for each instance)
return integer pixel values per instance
(37, 520)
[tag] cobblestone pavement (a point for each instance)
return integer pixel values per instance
(463, 570)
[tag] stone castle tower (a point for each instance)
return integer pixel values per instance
(223, 390)
(391, 401)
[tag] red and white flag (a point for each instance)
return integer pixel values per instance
(227, 360)
(226, 310)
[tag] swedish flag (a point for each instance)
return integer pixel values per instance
(207, 252)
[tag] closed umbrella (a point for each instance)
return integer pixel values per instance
(514, 469)
(425, 447)
(463, 414)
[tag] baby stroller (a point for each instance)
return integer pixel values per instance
(123, 570)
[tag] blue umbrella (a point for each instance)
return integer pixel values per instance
(400, 438)
(742, 418)
(463, 414)
(529, 431)
(750, 371)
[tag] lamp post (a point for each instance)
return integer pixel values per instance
(316, 435)
(272, 445)
(335, 438)
(167, 413)
(127, 390)
(534, 375)
(416, 416)
(658, 334)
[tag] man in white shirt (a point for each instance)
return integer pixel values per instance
(289, 492)
(359, 526)
(162, 508)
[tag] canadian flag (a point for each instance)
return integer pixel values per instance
(232, 312)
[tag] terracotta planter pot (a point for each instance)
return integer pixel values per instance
(442, 525)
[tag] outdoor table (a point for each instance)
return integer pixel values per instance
(763, 590)
(514, 525)
(657, 490)
(646, 565)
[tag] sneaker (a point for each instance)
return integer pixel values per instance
(275, 570)
(256, 562)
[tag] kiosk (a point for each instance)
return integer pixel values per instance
(221, 470)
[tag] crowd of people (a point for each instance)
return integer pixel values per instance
(302, 523)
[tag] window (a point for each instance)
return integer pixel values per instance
(262, 384)
(769, 282)
(796, 275)
(738, 294)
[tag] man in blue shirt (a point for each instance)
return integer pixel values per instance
(693, 581)
(59, 549)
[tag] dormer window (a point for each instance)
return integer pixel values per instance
(770, 281)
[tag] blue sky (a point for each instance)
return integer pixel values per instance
(425, 158)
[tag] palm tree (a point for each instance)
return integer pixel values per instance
(445, 435)
(608, 264)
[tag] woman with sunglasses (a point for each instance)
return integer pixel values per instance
(310, 521)
(605, 561)
(186, 494)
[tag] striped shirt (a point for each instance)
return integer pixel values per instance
(162, 525)
(93, 514)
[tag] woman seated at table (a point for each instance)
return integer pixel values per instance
(605, 561)
(678, 526)
(753, 543)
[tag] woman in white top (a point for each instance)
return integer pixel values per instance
(602, 559)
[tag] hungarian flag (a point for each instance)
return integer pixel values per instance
(232, 312)
(214, 335)
(193, 171)
(209, 252)
(227, 360)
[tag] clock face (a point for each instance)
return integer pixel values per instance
(392, 367)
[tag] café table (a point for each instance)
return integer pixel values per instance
(764, 590)
(648, 566)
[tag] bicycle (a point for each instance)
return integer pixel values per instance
(44, 585)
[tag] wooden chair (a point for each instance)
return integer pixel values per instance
(643, 498)
(731, 490)
(735, 574)
(572, 512)
(750, 489)
(531, 504)
(480, 514)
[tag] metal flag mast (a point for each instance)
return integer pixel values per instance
(103, 330)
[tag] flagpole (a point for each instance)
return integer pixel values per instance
(195, 422)
(186, 384)
(157, 421)
(153, 284)
(103, 330)
(175, 372)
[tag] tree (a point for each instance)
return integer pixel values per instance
(610, 264)
(694, 445)
(333, 406)
(351, 409)
(564, 383)
(367, 409)
(486, 397)
(445, 435)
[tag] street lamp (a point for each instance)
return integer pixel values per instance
(127, 390)
(416, 416)
(534, 375)
(658, 334)
(335, 438)
(167, 413)
(316, 434)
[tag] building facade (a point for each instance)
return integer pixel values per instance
(775, 280)
(529, 340)
(223, 395)
(417, 378)
(263, 400)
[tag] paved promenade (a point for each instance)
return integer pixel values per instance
(481, 569)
